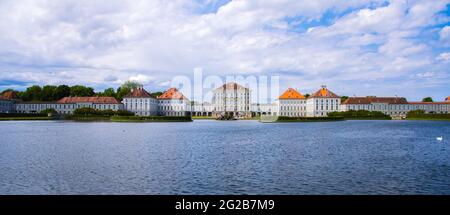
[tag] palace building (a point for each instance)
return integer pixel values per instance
(7, 102)
(292, 103)
(68, 105)
(173, 103)
(388, 105)
(322, 102)
(232, 99)
(140, 102)
(393, 106)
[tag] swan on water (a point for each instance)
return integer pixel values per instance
(439, 138)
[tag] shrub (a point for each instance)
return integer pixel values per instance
(365, 114)
(93, 112)
(6, 115)
(287, 118)
(420, 114)
(151, 118)
(415, 113)
(124, 113)
(86, 111)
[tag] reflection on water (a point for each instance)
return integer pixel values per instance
(211, 157)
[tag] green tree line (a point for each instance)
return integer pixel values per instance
(53, 93)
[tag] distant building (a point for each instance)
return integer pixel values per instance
(322, 102)
(430, 107)
(292, 103)
(68, 105)
(141, 103)
(173, 103)
(393, 106)
(388, 105)
(232, 99)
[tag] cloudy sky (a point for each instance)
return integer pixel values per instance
(355, 47)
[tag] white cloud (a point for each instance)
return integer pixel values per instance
(444, 56)
(143, 79)
(445, 35)
(151, 41)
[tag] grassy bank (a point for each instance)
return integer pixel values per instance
(421, 115)
(202, 117)
(26, 118)
(368, 118)
(151, 119)
(360, 115)
(88, 118)
(252, 118)
(428, 119)
(300, 119)
(309, 119)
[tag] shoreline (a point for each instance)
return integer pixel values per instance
(187, 119)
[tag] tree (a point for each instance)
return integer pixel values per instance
(32, 93)
(131, 84)
(307, 95)
(109, 92)
(126, 88)
(343, 98)
(61, 91)
(7, 90)
(427, 99)
(48, 93)
(156, 94)
(82, 91)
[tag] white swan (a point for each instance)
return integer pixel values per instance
(439, 138)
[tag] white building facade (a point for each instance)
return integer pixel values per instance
(292, 104)
(173, 103)
(264, 109)
(393, 106)
(7, 106)
(201, 109)
(322, 102)
(232, 99)
(141, 103)
(7, 102)
(68, 105)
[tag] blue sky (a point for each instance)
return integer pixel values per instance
(364, 47)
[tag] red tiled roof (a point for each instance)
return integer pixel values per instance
(447, 99)
(373, 99)
(9, 95)
(324, 93)
(231, 86)
(138, 93)
(428, 103)
(291, 94)
(172, 93)
(95, 100)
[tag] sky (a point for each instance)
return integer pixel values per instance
(355, 47)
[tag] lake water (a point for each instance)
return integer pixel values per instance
(214, 157)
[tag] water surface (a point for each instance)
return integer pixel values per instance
(212, 157)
